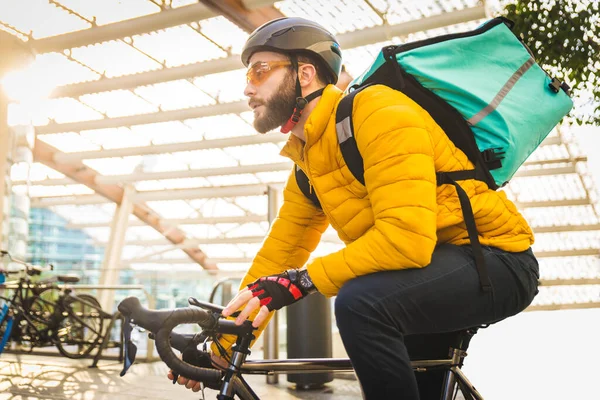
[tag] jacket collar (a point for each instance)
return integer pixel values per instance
(315, 126)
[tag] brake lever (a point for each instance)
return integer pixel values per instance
(217, 309)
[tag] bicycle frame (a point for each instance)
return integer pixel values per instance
(69, 294)
(60, 310)
(230, 381)
(240, 388)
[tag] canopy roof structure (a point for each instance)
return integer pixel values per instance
(147, 96)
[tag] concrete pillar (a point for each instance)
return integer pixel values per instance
(5, 145)
(111, 266)
(20, 202)
(15, 54)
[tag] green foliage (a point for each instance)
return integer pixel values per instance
(564, 35)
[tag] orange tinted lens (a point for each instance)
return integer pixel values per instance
(259, 72)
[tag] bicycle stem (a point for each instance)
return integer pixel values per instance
(240, 350)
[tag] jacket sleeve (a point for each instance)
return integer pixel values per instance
(398, 156)
(294, 234)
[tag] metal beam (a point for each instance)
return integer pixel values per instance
(570, 282)
(551, 141)
(240, 260)
(566, 228)
(209, 144)
(203, 193)
(238, 13)
(166, 18)
(557, 161)
(195, 173)
(125, 82)
(171, 148)
(79, 200)
(191, 243)
(386, 32)
(571, 306)
(568, 253)
(81, 173)
(553, 203)
(244, 219)
(571, 169)
(158, 195)
(141, 119)
(347, 40)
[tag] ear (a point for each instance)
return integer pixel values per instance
(307, 74)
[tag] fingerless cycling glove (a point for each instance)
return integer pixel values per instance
(278, 291)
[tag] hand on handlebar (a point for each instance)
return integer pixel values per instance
(195, 386)
(270, 293)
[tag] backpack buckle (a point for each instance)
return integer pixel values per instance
(493, 157)
(555, 85)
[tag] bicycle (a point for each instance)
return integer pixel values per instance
(44, 314)
(12, 309)
(195, 364)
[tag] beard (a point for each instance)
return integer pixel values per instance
(279, 108)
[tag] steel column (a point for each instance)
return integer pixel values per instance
(4, 155)
(111, 265)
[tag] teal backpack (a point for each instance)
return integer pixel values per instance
(483, 88)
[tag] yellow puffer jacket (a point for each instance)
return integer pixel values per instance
(398, 217)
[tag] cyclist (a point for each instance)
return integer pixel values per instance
(407, 277)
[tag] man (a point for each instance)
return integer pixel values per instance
(407, 277)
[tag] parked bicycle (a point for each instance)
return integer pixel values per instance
(196, 364)
(42, 313)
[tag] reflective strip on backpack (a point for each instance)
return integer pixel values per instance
(344, 129)
(475, 119)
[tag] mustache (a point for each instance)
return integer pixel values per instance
(255, 103)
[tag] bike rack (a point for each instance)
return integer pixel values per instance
(117, 315)
(113, 317)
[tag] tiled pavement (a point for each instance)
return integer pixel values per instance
(43, 377)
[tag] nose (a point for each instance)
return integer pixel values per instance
(249, 90)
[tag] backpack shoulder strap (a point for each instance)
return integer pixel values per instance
(305, 187)
(344, 128)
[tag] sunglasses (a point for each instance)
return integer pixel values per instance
(260, 71)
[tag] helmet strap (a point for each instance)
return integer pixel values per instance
(301, 102)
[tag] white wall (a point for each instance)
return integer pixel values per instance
(546, 355)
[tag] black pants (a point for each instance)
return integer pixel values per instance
(388, 317)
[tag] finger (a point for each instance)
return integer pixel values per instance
(238, 302)
(261, 317)
(182, 381)
(228, 310)
(190, 384)
(252, 305)
(196, 387)
(170, 375)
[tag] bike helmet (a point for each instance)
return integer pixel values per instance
(294, 34)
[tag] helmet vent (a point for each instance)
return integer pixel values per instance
(282, 32)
